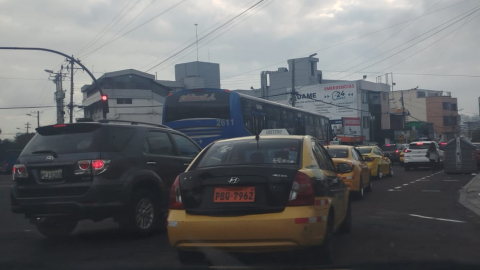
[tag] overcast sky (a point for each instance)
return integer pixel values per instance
(365, 37)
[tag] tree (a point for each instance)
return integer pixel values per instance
(476, 135)
(22, 139)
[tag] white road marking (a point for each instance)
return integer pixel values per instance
(393, 190)
(430, 190)
(405, 184)
(398, 187)
(441, 219)
(451, 180)
(412, 182)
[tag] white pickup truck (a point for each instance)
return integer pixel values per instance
(415, 155)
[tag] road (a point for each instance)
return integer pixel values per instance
(412, 216)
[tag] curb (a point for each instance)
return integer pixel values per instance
(463, 200)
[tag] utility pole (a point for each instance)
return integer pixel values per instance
(27, 125)
(294, 97)
(59, 95)
(38, 119)
(403, 112)
(71, 90)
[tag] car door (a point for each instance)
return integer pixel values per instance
(187, 149)
(363, 165)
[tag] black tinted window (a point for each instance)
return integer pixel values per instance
(338, 153)
(365, 150)
(158, 143)
(268, 151)
(204, 104)
(392, 147)
(186, 147)
(116, 138)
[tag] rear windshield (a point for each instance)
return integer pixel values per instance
(338, 153)
(365, 150)
(419, 146)
(204, 104)
(78, 138)
(392, 147)
(267, 151)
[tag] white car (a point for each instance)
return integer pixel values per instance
(415, 155)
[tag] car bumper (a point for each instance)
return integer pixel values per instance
(99, 201)
(351, 181)
(287, 230)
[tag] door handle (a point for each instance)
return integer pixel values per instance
(151, 163)
(186, 164)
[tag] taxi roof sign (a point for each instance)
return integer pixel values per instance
(280, 131)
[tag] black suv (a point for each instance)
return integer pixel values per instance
(72, 172)
(392, 151)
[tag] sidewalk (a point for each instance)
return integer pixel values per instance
(470, 195)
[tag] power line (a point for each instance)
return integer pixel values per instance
(205, 36)
(140, 25)
(28, 107)
(471, 13)
(350, 40)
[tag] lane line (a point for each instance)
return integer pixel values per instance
(441, 219)
(398, 187)
(430, 190)
(424, 180)
(394, 190)
(405, 184)
(412, 182)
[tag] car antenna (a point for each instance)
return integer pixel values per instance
(257, 136)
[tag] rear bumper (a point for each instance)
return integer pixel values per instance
(417, 163)
(251, 233)
(351, 181)
(100, 201)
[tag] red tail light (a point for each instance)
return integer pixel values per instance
(389, 145)
(83, 167)
(408, 150)
(419, 143)
(98, 164)
(19, 171)
(302, 191)
(396, 151)
(175, 196)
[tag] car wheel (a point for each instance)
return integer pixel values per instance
(360, 193)
(379, 173)
(190, 257)
(142, 214)
(57, 227)
(370, 186)
(390, 170)
(346, 226)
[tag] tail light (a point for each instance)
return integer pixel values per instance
(408, 150)
(396, 151)
(19, 171)
(175, 196)
(96, 166)
(302, 191)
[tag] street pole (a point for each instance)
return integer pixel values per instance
(59, 96)
(27, 126)
(403, 112)
(38, 119)
(294, 97)
(71, 90)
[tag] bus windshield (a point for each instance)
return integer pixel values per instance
(197, 104)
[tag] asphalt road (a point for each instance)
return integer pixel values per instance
(411, 217)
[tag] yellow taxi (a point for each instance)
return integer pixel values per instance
(379, 164)
(354, 171)
(258, 194)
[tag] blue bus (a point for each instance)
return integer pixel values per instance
(206, 115)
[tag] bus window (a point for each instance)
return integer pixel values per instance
(205, 104)
(270, 117)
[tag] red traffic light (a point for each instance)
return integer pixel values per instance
(104, 97)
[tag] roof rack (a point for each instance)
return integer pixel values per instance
(131, 122)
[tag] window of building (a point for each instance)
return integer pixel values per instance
(124, 101)
(446, 105)
(453, 106)
(312, 68)
(374, 98)
(366, 122)
(384, 97)
(364, 97)
(449, 121)
(420, 94)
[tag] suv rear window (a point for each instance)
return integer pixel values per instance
(419, 146)
(79, 138)
(365, 150)
(391, 147)
(268, 151)
(338, 153)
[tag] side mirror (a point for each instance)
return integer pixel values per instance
(344, 167)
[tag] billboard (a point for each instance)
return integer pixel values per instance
(333, 100)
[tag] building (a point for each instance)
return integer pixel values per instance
(358, 110)
(431, 106)
(137, 96)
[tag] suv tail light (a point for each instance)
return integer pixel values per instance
(19, 171)
(175, 196)
(302, 191)
(96, 166)
(396, 151)
(408, 150)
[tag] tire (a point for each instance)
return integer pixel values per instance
(379, 173)
(57, 227)
(143, 213)
(190, 257)
(369, 188)
(361, 192)
(346, 226)
(390, 170)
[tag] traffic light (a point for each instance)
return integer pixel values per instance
(104, 102)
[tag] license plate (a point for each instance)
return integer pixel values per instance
(234, 194)
(50, 175)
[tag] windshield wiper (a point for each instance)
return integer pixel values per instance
(45, 152)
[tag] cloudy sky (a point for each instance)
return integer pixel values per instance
(368, 37)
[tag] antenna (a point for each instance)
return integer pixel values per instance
(196, 35)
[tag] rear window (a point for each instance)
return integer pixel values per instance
(338, 153)
(267, 151)
(392, 147)
(79, 138)
(419, 145)
(365, 150)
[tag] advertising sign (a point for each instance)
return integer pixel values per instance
(333, 100)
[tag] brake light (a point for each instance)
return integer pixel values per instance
(19, 171)
(419, 143)
(228, 91)
(175, 196)
(396, 151)
(443, 143)
(389, 145)
(61, 125)
(99, 166)
(407, 150)
(302, 191)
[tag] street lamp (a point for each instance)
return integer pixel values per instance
(48, 71)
